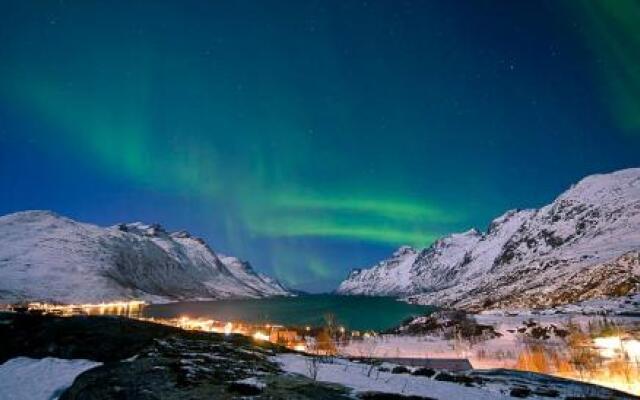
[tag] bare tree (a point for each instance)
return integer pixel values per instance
(313, 366)
(313, 360)
(330, 324)
(367, 351)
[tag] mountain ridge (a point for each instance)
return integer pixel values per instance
(49, 257)
(526, 257)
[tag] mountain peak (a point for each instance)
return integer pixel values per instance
(598, 187)
(44, 256)
(403, 251)
(141, 228)
(569, 250)
(181, 234)
(33, 215)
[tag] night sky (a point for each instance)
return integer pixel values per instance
(310, 137)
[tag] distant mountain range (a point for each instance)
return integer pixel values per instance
(44, 256)
(584, 245)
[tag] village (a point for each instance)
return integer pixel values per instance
(602, 352)
(320, 340)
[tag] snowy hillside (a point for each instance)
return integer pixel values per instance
(584, 245)
(44, 256)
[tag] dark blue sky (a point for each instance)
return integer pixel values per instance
(310, 137)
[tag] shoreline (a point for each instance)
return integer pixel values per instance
(137, 351)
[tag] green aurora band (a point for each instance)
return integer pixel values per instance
(613, 35)
(250, 146)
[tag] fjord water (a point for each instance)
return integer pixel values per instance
(353, 312)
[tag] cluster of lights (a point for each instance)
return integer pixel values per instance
(623, 356)
(261, 336)
(264, 333)
(617, 364)
(612, 347)
(260, 333)
(128, 308)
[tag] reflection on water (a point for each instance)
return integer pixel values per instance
(316, 339)
(131, 309)
(600, 352)
(354, 312)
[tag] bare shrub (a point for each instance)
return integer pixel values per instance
(325, 344)
(313, 366)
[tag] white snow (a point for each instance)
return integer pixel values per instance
(392, 276)
(497, 352)
(544, 257)
(44, 256)
(253, 381)
(356, 377)
(25, 378)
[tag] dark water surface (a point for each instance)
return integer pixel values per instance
(353, 312)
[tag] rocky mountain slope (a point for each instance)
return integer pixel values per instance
(44, 256)
(584, 245)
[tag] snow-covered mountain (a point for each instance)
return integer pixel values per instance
(584, 245)
(44, 256)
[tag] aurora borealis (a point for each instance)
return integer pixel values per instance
(310, 137)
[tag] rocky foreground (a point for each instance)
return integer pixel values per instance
(147, 361)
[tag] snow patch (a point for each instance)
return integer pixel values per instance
(39, 379)
(355, 376)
